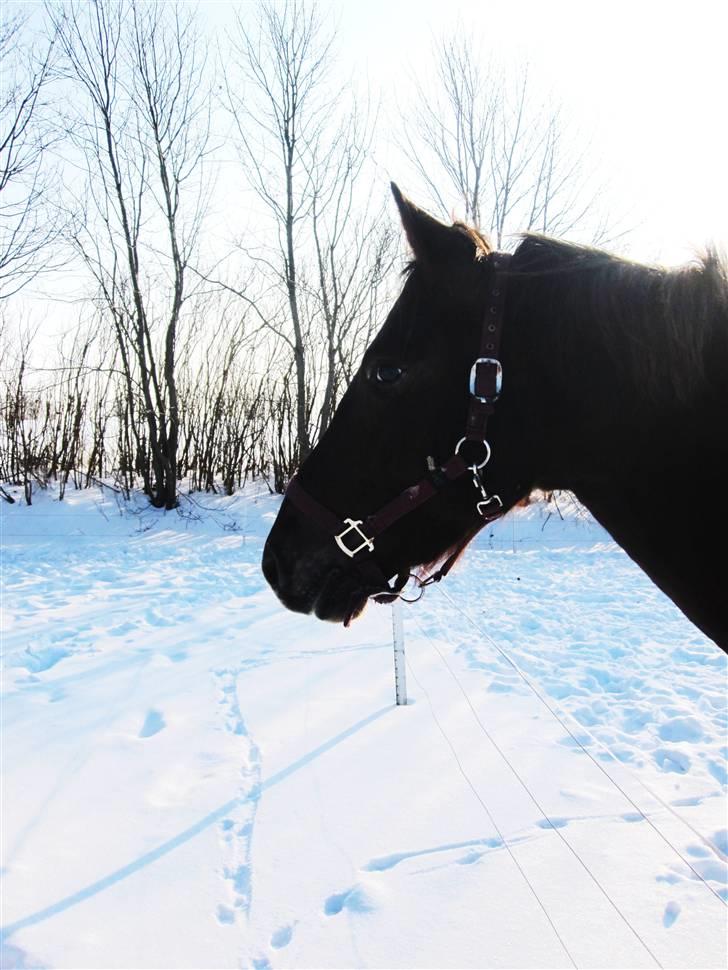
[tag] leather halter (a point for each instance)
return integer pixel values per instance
(355, 536)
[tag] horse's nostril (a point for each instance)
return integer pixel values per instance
(270, 566)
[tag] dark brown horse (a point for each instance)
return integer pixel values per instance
(614, 386)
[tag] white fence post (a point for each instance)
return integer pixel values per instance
(400, 678)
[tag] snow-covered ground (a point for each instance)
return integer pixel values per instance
(195, 778)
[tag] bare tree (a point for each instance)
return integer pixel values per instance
(28, 223)
(53, 419)
(220, 399)
(482, 140)
(354, 249)
(304, 149)
(140, 131)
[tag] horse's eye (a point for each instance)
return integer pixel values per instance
(388, 373)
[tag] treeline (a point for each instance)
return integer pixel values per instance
(218, 317)
(82, 427)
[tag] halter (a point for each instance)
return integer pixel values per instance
(355, 536)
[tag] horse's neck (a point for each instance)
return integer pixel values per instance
(657, 487)
(658, 490)
(676, 532)
(646, 456)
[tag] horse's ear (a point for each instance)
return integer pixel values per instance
(429, 239)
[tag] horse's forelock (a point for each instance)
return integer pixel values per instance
(481, 243)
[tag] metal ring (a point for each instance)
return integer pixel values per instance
(484, 443)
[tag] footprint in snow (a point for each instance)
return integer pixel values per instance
(672, 911)
(354, 899)
(553, 822)
(123, 629)
(38, 659)
(676, 761)
(153, 724)
(239, 878)
(155, 619)
(226, 829)
(225, 915)
(63, 635)
(670, 878)
(681, 729)
(470, 858)
(698, 851)
(718, 771)
(720, 840)
(282, 937)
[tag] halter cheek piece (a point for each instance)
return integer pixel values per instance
(355, 536)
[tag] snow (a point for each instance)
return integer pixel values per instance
(193, 777)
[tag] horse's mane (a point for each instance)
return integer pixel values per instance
(668, 328)
(666, 325)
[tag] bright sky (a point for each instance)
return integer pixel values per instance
(645, 82)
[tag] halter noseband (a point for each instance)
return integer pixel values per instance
(353, 536)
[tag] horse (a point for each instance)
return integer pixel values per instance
(557, 366)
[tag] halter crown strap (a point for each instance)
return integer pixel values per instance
(486, 374)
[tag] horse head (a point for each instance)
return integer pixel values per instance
(403, 421)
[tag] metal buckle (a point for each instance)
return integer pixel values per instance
(491, 362)
(353, 526)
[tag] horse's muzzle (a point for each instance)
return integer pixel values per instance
(323, 583)
(283, 582)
